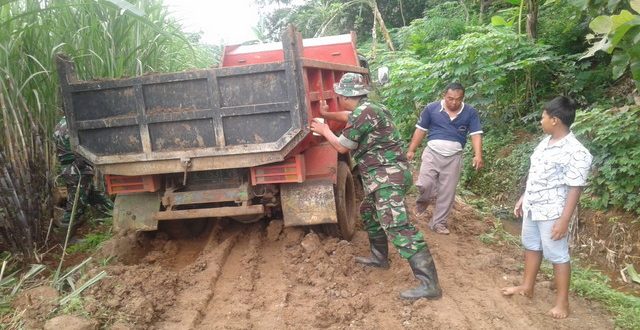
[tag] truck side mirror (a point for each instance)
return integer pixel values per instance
(383, 75)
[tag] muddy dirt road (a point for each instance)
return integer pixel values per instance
(263, 276)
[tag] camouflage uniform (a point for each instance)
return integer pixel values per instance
(375, 144)
(376, 148)
(76, 170)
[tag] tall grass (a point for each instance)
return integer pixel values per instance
(106, 38)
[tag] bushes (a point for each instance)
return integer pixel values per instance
(499, 69)
(426, 34)
(612, 137)
(506, 159)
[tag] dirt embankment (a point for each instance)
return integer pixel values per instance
(264, 276)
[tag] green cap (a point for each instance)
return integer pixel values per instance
(351, 84)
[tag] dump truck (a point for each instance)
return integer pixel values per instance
(226, 142)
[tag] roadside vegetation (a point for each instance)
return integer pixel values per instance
(512, 55)
(105, 39)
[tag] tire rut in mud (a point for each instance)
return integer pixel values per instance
(191, 303)
(250, 288)
(264, 276)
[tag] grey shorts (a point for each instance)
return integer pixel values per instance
(536, 236)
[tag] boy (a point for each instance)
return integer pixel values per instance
(559, 168)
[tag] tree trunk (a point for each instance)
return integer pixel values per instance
(466, 11)
(484, 4)
(374, 38)
(404, 22)
(383, 27)
(532, 19)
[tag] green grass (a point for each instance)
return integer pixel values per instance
(594, 285)
(498, 235)
(89, 243)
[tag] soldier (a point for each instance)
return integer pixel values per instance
(76, 170)
(375, 145)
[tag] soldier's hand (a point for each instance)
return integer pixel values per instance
(324, 107)
(319, 127)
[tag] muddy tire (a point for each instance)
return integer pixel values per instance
(346, 207)
(250, 218)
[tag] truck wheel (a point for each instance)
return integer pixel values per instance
(251, 218)
(346, 208)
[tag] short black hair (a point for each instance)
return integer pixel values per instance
(562, 108)
(454, 86)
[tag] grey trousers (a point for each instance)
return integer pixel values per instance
(438, 178)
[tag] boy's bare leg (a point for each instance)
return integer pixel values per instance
(562, 277)
(532, 261)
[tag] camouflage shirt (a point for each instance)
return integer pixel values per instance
(376, 147)
(66, 157)
(63, 145)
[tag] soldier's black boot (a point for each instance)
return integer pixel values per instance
(379, 253)
(425, 271)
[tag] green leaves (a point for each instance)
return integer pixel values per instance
(622, 18)
(612, 137)
(500, 21)
(619, 63)
(619, 35)
(632, 273)
(635, 5)
(493, 64)
(601, 24)
(581, 4)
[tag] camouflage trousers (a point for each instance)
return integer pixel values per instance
(383, 212)
(82, 175)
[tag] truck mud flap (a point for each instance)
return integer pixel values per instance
(136, 211)
(308, 203)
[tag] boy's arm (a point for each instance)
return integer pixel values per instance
(561, 226)
(517, 210)
(416, 139)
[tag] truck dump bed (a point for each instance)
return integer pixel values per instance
(229, 117)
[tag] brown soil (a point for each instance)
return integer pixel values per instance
(609, 241)
(264, 276)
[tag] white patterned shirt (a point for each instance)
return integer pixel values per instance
(554, 168)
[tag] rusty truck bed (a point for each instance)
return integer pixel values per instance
(219, 118)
